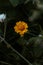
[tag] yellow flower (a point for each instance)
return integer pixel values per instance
(21, 27)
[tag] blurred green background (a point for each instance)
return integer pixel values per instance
(26, 50)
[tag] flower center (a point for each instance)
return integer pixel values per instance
(21, 27)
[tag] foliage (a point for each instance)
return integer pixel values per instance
(14, 48)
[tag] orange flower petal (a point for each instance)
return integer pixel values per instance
(21, 27)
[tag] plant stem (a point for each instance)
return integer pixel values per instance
(15, 51)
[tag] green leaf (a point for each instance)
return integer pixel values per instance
(37, 43)
(27, 1)
(16, 2)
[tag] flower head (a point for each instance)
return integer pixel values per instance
(2, 17)
(21, 27)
